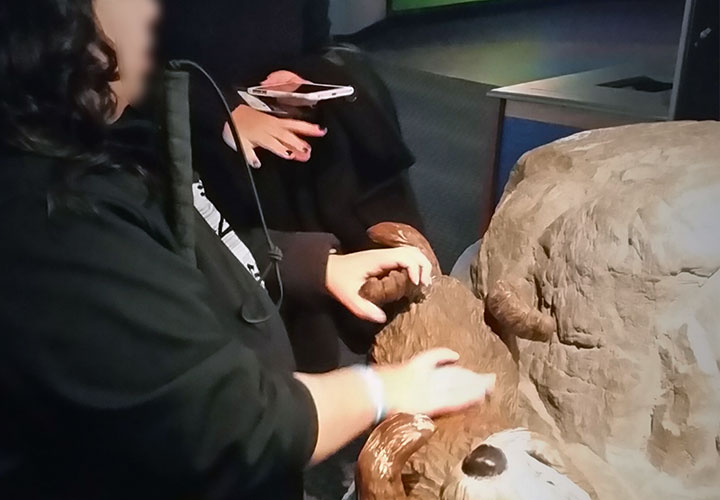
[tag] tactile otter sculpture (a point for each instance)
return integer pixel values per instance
(454, 457)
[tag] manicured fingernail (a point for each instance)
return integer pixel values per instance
(256, 164)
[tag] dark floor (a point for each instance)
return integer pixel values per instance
(450, 126)
(504, 46)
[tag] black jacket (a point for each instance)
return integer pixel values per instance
(244, 40)
(125, 370)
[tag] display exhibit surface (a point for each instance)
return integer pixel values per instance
(616, 234)
(596, 293)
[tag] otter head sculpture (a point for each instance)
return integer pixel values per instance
(515, 464)
(453, 457)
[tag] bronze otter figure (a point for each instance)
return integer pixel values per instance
(474, 452)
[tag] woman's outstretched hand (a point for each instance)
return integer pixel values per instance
(431, 384)
(346, 274)
(281, 136)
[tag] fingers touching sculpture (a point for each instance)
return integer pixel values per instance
(397, 284)
(395, 234)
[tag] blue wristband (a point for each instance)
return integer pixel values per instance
(376, 390)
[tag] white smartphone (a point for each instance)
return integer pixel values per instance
(265, 104)
(307, 91)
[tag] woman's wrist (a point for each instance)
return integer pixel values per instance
(375, 386)
(385, 389)
(330, 269)
(395, 387)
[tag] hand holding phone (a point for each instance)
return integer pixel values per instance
(282, 136)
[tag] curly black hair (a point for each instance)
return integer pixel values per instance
(56, 67)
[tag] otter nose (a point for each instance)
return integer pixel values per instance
(485, 461)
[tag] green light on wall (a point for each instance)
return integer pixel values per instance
(421, 4)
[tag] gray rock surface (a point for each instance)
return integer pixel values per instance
(616, 234)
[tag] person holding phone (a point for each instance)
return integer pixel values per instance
(339, 168)
(349, 181)
(123, 372)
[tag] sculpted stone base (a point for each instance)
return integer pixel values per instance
(616, 234)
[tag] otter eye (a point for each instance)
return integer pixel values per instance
(485, 461)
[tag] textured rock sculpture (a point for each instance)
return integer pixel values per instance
(452, 453)
(615, 234)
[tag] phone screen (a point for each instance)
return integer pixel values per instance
(299, 88)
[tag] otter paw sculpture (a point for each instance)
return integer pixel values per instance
(388, 448)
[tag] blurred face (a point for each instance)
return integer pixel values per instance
(129, 26)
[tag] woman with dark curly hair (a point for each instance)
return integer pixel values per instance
(122, 375)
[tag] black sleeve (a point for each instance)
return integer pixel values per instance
(117, 329)
(316, 20)
(303, 267)
(208, 117)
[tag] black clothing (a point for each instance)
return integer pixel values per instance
(357, 175)
(126, 371)
(164, 125)
(245, 40)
